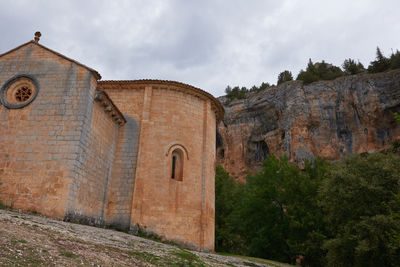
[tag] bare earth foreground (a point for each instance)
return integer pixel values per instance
(32, 240)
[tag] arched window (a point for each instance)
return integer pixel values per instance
(177, 164)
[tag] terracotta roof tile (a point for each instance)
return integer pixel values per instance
(217, 106)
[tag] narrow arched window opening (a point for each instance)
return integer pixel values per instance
(177, 164)
(173, 166)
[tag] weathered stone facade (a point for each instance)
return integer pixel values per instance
(127, 153)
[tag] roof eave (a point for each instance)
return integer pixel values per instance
(217, 106)
(94, 72)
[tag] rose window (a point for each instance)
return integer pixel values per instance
(19, 91)
(23, 94)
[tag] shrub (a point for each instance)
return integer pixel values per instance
(284, 76)
(381, 63)
(278, 215)
(395, 60)
(361, 198)
(328, 71)
(236, 92)
(351, 67)
(227, 196)
(3, 206)
(307, 77)
(319, 71)
(263, 86)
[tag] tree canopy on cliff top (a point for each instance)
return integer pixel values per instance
(324, 71)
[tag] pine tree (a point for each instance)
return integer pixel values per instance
(284, 76)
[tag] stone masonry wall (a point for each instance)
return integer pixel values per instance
(209, 185)
(121, 186)
(127, 97)
(177, 210)
(169, 207)
(120, 193)
(40, 142)
(66, 155)
(93, 167)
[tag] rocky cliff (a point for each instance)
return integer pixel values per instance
(352, 114)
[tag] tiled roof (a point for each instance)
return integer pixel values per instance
(121, 84)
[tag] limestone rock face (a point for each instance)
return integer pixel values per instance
(352, 114)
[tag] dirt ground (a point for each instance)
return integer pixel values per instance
(33, 240)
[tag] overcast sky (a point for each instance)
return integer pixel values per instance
(207, 43)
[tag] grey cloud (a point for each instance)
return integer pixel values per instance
(210, 43)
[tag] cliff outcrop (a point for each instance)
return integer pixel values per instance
(352, 114)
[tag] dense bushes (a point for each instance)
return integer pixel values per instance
(323, 71)
(226, 238)
(350, 67)
(235, 92)
(284, 76)
(361, 198)
(395, 60)
(340, 214)
(319, 71)
(382, 63)
(241, 93)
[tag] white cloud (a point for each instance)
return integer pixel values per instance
(208, 44)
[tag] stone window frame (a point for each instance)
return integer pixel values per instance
(8, 90)
(177, 156)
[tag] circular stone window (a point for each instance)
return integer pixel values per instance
(19, 91)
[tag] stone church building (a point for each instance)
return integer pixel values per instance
(125, 153)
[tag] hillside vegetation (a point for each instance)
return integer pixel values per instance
(323, 71)
(327, 214)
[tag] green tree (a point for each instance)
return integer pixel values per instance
(328, 71)
(259, 217)
(361, 199)
(310, 75)
(319, 71)
(227, 195)
(350, 67)
(307, 228)
(228, 90)
(278, 216)
(284, 76)
(307, 77)
(263, 86)
(236, 92)
(254, 89)
(395, 60)
(380, 64)
(311, 67)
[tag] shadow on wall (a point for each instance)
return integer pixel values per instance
(120, 193)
